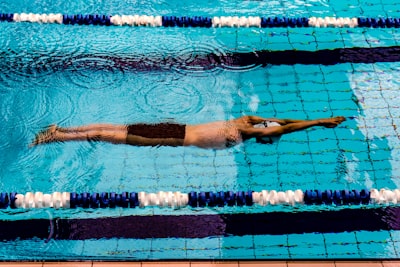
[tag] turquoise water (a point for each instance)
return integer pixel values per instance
(63, 74)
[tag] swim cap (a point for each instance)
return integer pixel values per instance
(267, 139)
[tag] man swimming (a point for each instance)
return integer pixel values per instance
(217, 135)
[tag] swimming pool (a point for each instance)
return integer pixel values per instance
(72, 75)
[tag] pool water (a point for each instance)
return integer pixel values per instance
(74, 75)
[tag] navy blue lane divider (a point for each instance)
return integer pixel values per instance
(6, 17)
(200, 61)
(102, 20)
(220, 199)
(337, 197)
(196, 21)
(284, 22)
(379, 22)
(202, 226)
(104, 199)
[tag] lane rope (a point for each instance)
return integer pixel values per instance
(201, 21)
(176, 200)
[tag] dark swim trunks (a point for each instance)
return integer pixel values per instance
(159, 130)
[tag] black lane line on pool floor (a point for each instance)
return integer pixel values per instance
(194, 60)
(201, 226)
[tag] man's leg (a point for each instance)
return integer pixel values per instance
(91, 127)
(96, 132)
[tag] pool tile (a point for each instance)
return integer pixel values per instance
(237, 247)
(211, 264)
(271, 247)
(377, 250)
(21, 264)
(376, 236)
(116, 264)
(176, 248)
(358, 264)
(203, 248)
(169, 263)
(261, 264)
(67, 264)
(134, 248)
(91, 247)
(391, 263)
(341, 245)
(311, 264)
(307, 246)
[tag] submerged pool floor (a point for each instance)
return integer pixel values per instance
(74, 75)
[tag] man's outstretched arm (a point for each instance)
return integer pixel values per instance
(293, 127)
(256, 120)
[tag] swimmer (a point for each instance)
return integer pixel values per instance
(216, 135)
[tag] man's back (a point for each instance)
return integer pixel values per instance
(219, 135)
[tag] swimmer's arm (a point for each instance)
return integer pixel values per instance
(288, 121)
(279, 130)
(255, 120)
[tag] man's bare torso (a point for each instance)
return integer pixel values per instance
(219, 135)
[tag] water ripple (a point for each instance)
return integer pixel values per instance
(105, 70)
(199, 57)
(95, 73)
(29, 55)
(236, 61)
(19, 114)
(25, 112)
(6, 117)
(84, 7)
(170, 100)
(66, 158)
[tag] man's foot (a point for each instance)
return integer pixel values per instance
(45, 136)
(332, 122)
